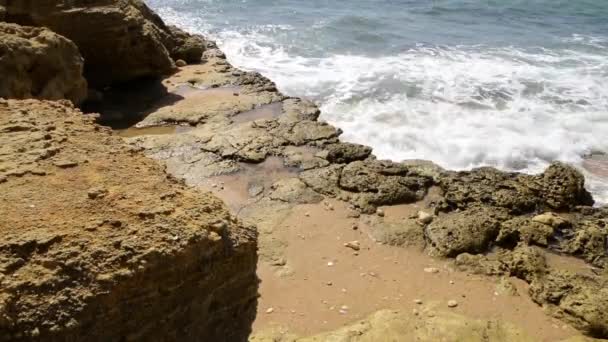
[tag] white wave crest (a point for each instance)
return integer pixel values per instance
(461, 106)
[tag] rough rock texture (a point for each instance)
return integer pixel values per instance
(98, 243)
(120, 39)
(559, 187)
(470, 231)
(241, 129)
(37, 63)
(388, 325)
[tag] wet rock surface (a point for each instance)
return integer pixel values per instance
(37, 63)
(98, 243)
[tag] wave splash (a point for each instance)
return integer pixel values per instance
(459, 106)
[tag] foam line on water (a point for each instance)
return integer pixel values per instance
(459, 106)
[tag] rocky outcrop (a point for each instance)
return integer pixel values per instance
(98, 243)
(121, 40)
(37, 63)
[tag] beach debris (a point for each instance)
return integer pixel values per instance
(354, 245)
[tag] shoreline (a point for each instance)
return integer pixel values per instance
(334, 234)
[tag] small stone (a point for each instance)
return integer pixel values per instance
(180, 63)
(344, 307)
(415, 312)
(279, 262)
(431, 270)
(418, 301)
(355, 226)
(269, 310)
(424, 217)
(307, 214)
(451, 282)
(452, 303)
(94, 193)
(330, 263)
(353, 214)
(64, 164)
(380, 212)
(329, 283)
(354, 245)
(213, 236)
(430, 314)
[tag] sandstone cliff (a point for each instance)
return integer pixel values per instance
(37, 63)
(98, 243)
(120, 40)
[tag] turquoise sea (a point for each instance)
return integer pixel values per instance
(508, 83)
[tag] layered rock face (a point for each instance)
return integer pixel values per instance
(98, 243)
(37, 63)
(121, 40)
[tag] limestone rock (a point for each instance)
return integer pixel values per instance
(563, 187)
(37, 63)
(120, 39)
(526, 230)
(469, 231)
(559, 187)
(99, 252)
(580, 300)
(347, 152)
(184, 46)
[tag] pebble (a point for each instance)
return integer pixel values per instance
(354, 245)
(415, 312)
(418, 301)
(431, 270)
(329, 283)
(452, 303)
(424, 217)
(330, 263)
(307, 214)
(355, 226)
(380, 212)
(180, 63)
(269, 310)
(451, 282)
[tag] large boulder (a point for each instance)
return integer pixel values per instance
(99, 243)
(120, 39)
(37, 63)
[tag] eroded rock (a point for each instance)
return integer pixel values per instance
(106, 249)
(37, 63)
(130, 41)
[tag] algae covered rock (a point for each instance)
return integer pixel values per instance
(560, 187)
(579, 300)
(470, 231)
(388, 325)
(37, 63)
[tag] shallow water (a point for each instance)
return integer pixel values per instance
(464, 83)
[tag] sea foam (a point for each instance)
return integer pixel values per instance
(458, 106)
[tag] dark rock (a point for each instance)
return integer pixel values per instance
(346, 152)
(470, 231)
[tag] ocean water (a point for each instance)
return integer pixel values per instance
(514, 84)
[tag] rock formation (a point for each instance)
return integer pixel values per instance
(120, 40)
(37, 63)
(98, 243)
